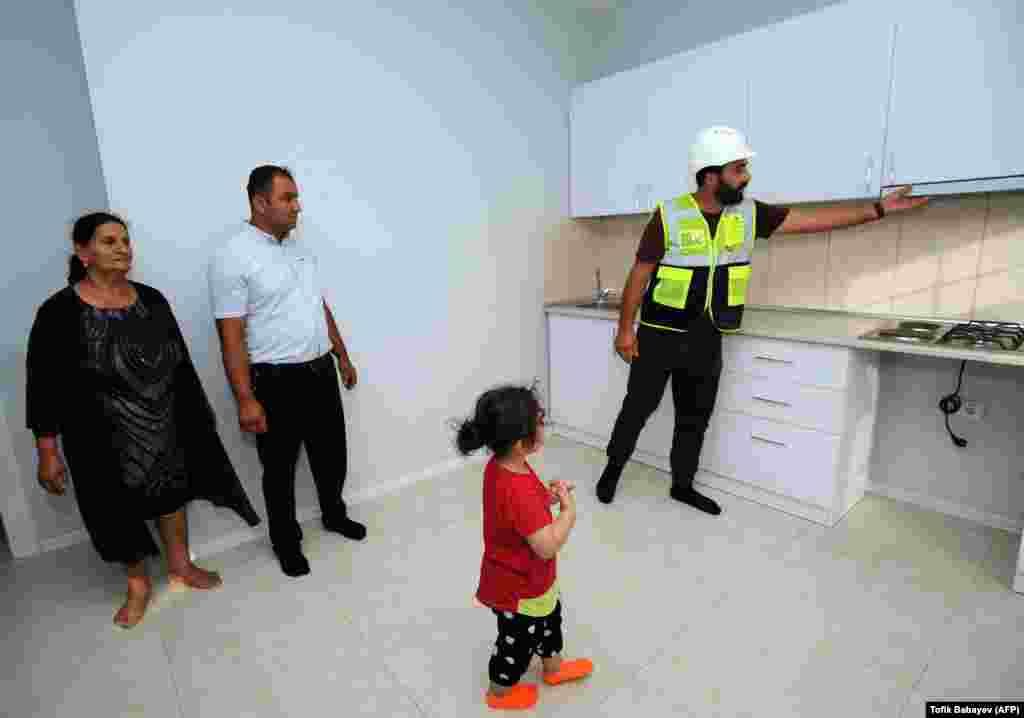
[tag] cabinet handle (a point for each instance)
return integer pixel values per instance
(755, 437)
(892, 168)
(771, 401)
(773, 359)
(867, 174)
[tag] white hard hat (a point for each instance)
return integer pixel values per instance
(717, 146)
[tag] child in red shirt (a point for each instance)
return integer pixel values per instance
(518, 581)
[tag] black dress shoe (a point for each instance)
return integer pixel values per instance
(696, 500)
(293, 562)
(346, 527)
(607, 483)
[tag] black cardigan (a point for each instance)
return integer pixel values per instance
(55, 400)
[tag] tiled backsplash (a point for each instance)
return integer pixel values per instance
(959, 257)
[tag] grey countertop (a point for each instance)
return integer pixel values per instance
(821, 326)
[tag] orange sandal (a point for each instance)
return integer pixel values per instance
(570, 671)
(519, 697)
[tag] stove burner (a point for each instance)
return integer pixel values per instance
(995, 336)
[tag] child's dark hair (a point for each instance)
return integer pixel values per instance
(503, 416)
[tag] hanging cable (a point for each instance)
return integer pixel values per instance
(951, 404)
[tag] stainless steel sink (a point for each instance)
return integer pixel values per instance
(611, 304)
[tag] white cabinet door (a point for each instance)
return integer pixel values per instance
(956, 98)
(610, 146)
(788, 361)
(630, 133)
(819, 89)
(787, 402)
(589, 380)
(579, 371)
(698, 89)
(798, 463)
(615, 389)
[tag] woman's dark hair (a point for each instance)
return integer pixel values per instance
(83, 232)
(503, 416)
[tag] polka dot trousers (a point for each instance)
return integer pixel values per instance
(519, 638)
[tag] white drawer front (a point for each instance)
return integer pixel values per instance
(772, 398)
(799, 463)
(813, 364)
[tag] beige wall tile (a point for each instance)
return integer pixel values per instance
(883, 307)
(956, 300)
(862, 261)
(562, 250)
(611, 245)
(1004, 238)
(917, 265)
(799, 269)
(921, 303)
(1000, 297)
(959, 232)
(925, 262)
(762, 285)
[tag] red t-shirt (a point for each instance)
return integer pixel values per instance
(515, 506)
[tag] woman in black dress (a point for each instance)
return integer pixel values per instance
(109, 372)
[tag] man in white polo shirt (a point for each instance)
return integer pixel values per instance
(277, 334)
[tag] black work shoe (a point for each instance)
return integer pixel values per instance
(696, 500)
(607, 483)
(293, 562)
(346, 527)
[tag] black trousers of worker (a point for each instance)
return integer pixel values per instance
(303, 406)
(693, 360)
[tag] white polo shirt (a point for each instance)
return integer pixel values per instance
(275, 287)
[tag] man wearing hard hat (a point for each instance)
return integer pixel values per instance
(690, 283)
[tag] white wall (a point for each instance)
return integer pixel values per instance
(430, 147)
(52, 175)
(914, 457)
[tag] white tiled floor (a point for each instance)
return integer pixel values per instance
(752, 613)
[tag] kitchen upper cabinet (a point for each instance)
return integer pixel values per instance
(631, 132)
(609, 145)
(956, 98)
(838, 104)
(701, 88)
(819, 89)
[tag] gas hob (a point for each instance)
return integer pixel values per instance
(978, 335)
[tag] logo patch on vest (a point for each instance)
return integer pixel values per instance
(692, 241)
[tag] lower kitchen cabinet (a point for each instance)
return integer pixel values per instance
(792, 428)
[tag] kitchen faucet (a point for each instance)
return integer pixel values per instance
(601, 295)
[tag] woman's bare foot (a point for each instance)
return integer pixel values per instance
(134, 608)
(197, 578)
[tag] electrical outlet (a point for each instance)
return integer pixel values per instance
(972, 409)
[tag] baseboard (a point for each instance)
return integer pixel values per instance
(233, 539)
(944, 506)
(382, 489)
(592, 440)
(924, 501)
